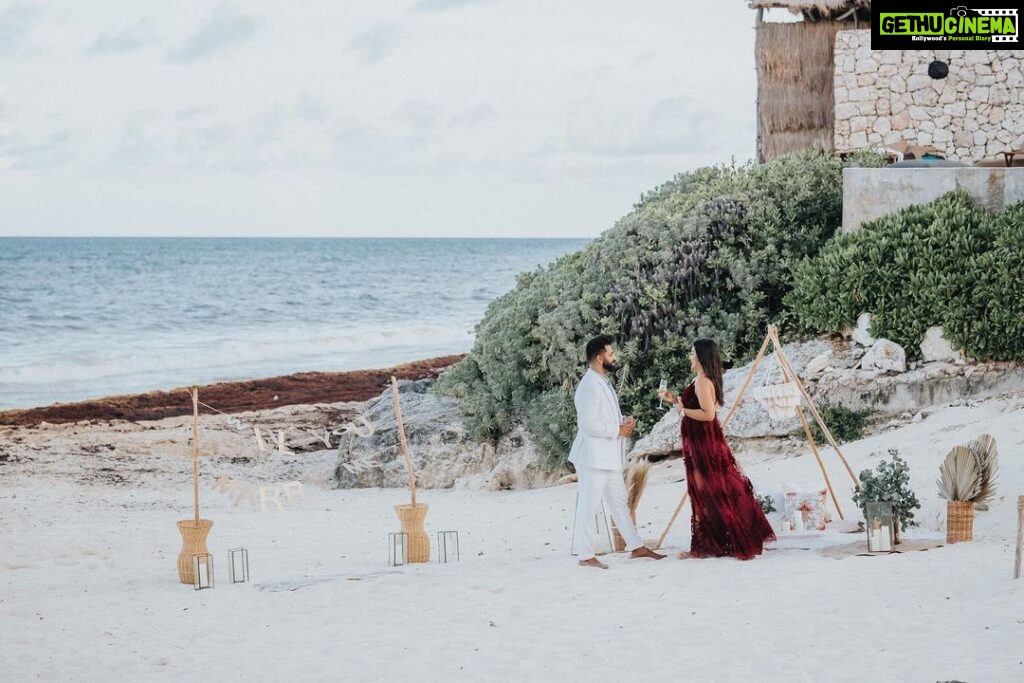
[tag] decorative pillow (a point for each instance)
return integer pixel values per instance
(809, 507)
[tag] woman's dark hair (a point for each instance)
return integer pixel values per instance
(596, 346)
(710, 359)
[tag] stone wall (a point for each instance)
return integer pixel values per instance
(870, 193)
(882, 97)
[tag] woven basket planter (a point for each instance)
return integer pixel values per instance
(959, 521)
(193, 542)
(412, 518)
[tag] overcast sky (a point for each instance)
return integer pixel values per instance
(369, 118)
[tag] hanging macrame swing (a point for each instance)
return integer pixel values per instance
(780, 399)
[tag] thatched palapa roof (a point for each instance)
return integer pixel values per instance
(820, 10)
(821, 6)
(794, 86)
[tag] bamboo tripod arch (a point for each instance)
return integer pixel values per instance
(788, 375)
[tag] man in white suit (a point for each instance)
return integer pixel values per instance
(598, 453)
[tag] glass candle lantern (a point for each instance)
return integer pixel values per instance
(881, 532)
(448, 546)
(238, 565)
(398, 548)
(203, 577)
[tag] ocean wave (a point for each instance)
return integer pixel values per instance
(258, 351)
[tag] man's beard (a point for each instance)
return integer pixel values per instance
(611, 367)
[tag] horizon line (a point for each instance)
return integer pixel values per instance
(287, 237)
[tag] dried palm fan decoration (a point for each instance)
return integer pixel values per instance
(967, 478)
(636, 481)
(960, 477)
(984, 448)
(968, 473)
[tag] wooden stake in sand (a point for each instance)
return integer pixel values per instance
(411, 516)
(406, 453)
(1020, 536)
(193, 531)
(195, 451)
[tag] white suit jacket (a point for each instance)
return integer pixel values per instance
(597, 442)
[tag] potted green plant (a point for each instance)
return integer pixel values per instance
(890, 483)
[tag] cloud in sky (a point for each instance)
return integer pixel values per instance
(16, 24)
(139, 35)
(225, 27)
(326, 118)
(376, 43)
(427, 6)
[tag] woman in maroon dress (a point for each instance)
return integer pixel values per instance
(727, 519)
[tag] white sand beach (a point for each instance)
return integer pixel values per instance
(89, 589)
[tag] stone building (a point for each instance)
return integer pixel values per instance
(967, 104)
(820, 85)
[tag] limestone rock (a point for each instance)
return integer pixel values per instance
(935, 347)
(862, 333)
(818, 364)
(444, 454)
(885, 355)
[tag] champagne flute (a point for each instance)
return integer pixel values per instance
(662, 387)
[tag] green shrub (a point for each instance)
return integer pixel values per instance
(767, 503)
(990, 321)
(709, 253)
(845, 424)
(890, 482)
(947, 263)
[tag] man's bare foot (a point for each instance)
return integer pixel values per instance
(684, 555)
(644, 551)
(593, 562)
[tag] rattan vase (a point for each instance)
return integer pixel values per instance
(193, 542)
(412, 518)
(959, 521)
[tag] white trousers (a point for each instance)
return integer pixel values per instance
(594, 485)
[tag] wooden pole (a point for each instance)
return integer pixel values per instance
(195, 451)
(402, 440)
(746, 382)
(679, 508)
(1020, 536)
(784, 362)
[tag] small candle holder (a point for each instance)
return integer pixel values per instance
(445, 540)
(203, 565)
(880, 520)
(398, 547)
(238, 565)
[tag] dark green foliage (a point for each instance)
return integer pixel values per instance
(766, 502)
(845, 424)
(990, 319)
(709, 253)
(947, 263)
(890, 482)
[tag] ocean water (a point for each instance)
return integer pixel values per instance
(90, 317)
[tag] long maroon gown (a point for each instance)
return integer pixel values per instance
(727, 519)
